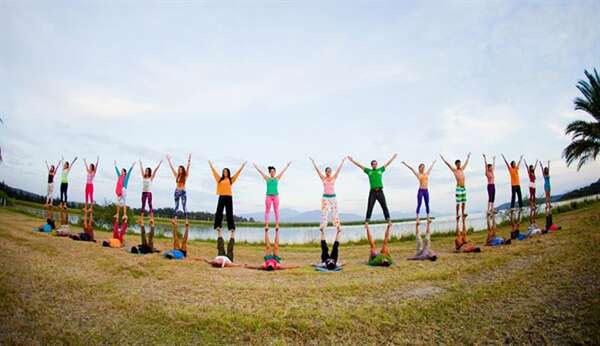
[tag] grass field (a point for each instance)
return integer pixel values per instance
(543, 290)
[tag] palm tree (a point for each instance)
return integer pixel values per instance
(585, 144)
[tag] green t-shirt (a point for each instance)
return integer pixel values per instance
(272, 187)
(64, 178)
(377, 261)
(375, 176)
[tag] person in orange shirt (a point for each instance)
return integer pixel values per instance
(513, 169)
(224, 182)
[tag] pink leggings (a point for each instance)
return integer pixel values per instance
(89, 193)
(271, 200)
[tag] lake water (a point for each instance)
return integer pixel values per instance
(303, 235)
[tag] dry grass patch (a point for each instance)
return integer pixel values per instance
(543, 290)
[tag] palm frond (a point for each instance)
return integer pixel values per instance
(583, 150)
(590, 89)
(583, 129)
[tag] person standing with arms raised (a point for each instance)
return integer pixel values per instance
(376, 184)
(461, 201)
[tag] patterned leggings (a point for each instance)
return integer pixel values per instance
(329, 204)
(180, 195)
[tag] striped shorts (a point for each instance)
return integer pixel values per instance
(461, 194)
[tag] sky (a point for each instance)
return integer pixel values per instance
(277, 81)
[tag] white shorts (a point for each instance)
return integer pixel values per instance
(122, 200)
(224, 259)
(50, 190)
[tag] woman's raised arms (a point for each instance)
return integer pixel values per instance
(317, 168)
(265, 177)
(287, 165)
(411, 169)
(339, 169)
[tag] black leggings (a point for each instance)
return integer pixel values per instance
(377, 195)
(221, 248)
(227, 203)
(325, 251)
(63, 192)
(516, 190)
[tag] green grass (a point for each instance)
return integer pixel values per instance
(545, 290)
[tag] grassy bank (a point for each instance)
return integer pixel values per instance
(543, 290)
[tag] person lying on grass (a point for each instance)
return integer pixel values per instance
(147, 245)
(381, 258)
(179, 250)
(49, 225)
(272, 259)
(550, 226)
(224, 259)
(423, 251)
(329, 260)
(492, 238)
(118, 234)
(64, 229)
(88, 227)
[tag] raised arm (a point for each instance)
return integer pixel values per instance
(238, 172)
(411, 169)
(265, 177)
(283, 170)
(214, 172)
(130, 169)
(390, 161)
(520, 159)
(339, 169)
(447, 163)
(58, 165)
(356, 163)
(526, 165)
(494, 162)
(141, 167)
(466, 161)
(535, 165)
(431, 167)
(117, 169)
(187, 168)
(156, 169)
(87, 168)
(485, 163)
(171, 165)
(73, 162)
(504, 158)
(317, 168)
(47, 167)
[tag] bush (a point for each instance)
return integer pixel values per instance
(5, 200)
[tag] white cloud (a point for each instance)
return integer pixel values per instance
(556, 129)
(477, 123)
(104, 103)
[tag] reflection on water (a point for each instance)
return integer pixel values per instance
(303, 235)
(295, 235)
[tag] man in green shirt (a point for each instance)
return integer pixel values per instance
(376, 193)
